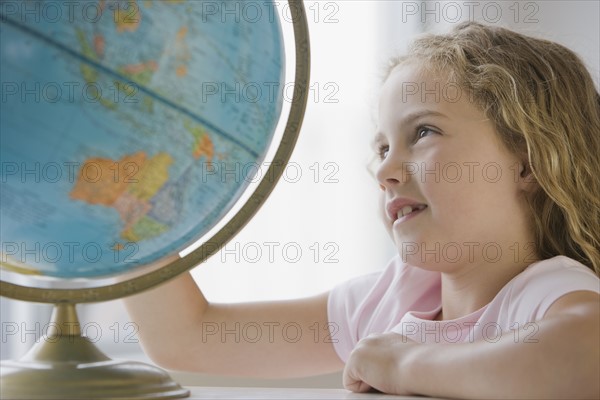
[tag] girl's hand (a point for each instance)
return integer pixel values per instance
(379, 362)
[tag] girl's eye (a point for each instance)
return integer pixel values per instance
(382, 151)
(423, 131)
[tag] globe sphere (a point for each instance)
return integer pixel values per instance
(129, 129)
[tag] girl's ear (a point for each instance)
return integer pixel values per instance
(526, 178)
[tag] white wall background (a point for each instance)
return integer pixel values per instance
(336, 209)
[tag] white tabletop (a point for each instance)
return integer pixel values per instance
(198, 393)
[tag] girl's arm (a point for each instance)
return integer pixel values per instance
(564, 362)
(180, 330)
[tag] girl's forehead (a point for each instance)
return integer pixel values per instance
(411, 89)
(412, 86)
(412, 77)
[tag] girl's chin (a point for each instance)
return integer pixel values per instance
(431, 265)
(431, 262)
(412, 242)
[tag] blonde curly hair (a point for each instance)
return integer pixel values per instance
(544, 105)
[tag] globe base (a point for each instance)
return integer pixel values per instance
(65, 365)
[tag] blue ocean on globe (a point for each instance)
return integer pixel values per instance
(129, 129)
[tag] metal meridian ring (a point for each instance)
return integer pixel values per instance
(239, 220)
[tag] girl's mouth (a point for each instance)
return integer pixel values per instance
(410, 209)
(407, 212)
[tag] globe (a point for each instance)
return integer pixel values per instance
(128, 131)
(125, 138)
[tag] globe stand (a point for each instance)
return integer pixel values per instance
(66, 365)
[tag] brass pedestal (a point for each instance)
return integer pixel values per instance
(65, 365)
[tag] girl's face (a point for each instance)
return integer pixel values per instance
(452, 193)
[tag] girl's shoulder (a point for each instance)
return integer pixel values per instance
(551, 269)
(530, 294)
(555, 275)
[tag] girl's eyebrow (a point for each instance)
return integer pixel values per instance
(409, 119)
(377, 140)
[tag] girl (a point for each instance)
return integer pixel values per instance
(488, 143)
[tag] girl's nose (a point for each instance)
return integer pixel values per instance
(392, 172)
